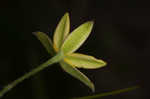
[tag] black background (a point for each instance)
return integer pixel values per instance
(120, 36)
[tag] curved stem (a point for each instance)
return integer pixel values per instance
(51, 61)
(108, 93)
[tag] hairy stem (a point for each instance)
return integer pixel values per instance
(51, 61)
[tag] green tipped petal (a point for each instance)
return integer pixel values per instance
(77, 37)
(46, 42)
(77, 74)
(61, 31)
(84, 61)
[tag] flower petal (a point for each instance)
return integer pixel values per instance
(77, 38)
(61, 31)
(77, 74)
(84, 61)
(46, 42)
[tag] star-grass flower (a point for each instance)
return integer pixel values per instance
(67, 44)
(63, 51)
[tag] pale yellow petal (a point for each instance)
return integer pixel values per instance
(77, 37)
(61, 31)
(77, 74)
(84, 61)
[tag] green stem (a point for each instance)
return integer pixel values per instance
(51, 61)
(109, 93)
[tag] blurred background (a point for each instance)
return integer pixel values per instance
(121, 37)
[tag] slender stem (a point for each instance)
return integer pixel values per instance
(108, 93)
(51, 61)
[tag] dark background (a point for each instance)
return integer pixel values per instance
(121, 36)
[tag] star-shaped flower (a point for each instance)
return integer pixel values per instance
(67, 44)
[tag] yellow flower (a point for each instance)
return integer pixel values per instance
(67, 44)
